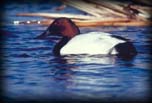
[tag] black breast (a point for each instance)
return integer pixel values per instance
(59, 45)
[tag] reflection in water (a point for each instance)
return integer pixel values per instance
(74, 71)
(89, 59)
(66, 65)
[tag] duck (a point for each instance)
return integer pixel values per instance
(72, 42)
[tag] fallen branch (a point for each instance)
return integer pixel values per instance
(103, 13)
(109, 5)
(117, 8)
(88, 23)
(55, 15)
(81, 7)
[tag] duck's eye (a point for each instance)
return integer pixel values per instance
(56, 23)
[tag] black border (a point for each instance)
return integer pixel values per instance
(2, 10)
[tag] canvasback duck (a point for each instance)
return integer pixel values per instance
(91, 43)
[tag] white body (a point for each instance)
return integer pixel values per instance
(91, 43)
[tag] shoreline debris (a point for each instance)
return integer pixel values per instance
(99, 13)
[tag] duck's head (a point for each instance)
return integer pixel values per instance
(62, 27)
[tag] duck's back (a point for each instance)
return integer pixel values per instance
(91, 43)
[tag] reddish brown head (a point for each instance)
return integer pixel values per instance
(62, 26)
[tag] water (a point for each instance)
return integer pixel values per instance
(32, 72)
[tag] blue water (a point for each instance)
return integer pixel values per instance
(32, 72)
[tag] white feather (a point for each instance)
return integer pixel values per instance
(91, 43)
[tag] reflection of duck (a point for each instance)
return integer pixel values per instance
(89, 43)
(89, 59)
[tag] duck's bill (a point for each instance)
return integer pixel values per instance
(48, 33)
(43, 35)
